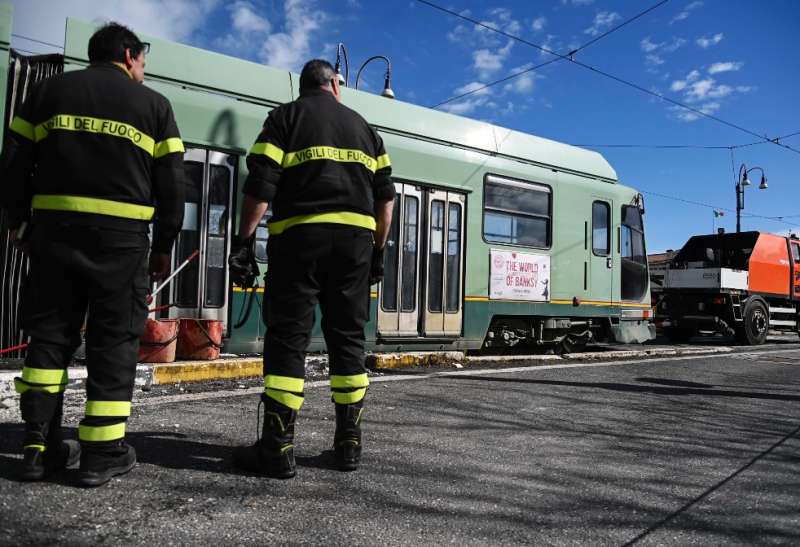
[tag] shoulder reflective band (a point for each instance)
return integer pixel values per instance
(22, 127)
(81, 204)
(356, 380)
(342, 155)
(383, 161)
(168, 146)
(270, 150)
(351, 219)
(108, 408)
(100, 433)
(46, 376)
(68, 122)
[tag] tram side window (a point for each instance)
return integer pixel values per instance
(516, 213)
(188, 239)
(262, 235)
(390, 262)
(634, 257)
(601, 228)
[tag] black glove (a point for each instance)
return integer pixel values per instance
(242, 262)
(376, 267)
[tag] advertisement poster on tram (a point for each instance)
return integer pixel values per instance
(519, 276)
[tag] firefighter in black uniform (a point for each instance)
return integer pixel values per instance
(327, 176)
(94, 158)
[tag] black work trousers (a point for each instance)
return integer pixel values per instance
(77, 273)
(328, 264)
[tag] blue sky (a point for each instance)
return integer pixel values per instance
(733, 59)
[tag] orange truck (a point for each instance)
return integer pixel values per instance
(738, 284)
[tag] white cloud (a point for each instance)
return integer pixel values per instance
(538, 24)
(744, 88)
(689, 116)
(705, 43)
(680, 85)
(547, 43)
(524, 83)
(649, 46)
(724, 67)
(175, 20)
(653, 60)
(476, 88)
(577, 2)
(674, 45)
(487, 62)
(464, 106)
(245, 19)
(289, 49)
(698, 90)
(602, 20)
(686, 12)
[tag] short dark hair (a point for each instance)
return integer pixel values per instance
(110, 42)
(316, 73)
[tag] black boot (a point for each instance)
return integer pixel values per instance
(44, 449)
(100, 462)
(347, 439)
(273, 454)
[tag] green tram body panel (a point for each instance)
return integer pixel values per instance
(221, 102)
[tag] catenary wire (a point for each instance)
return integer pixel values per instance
(37, 41)
(608, 75)
(531, 69)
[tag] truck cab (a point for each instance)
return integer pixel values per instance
(740, 284)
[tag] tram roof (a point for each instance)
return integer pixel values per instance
(216, 73)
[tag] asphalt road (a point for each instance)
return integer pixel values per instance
(675, 451)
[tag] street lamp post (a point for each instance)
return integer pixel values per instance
(387, 87)
(741, 183)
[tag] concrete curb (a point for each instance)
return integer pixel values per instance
(413, 359)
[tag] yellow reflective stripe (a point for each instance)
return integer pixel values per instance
(23, 127)
(270, 150)
(68, 122)
(41, 447)
(286, 383)
(99, 433)
(383, 161)
(342, 155)
(108, 408)
(285, 398)
(354, 380)
(168, 146)
(352, 219)
(349, 397)
(82, 204)
(20, 386)
(47, 376)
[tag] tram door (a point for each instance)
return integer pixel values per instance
(421, 293)
(201, 289)
(601, 262)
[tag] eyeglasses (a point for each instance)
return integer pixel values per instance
(145, 47)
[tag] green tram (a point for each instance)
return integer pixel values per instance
(500, 238)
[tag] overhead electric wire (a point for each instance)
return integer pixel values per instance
(716, 208)
(531, 69)
(37, 41)
(608, 75)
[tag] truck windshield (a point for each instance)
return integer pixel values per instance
(717, 251)
(634, 258)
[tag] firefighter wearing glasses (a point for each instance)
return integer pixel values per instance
(327, 176)
(93, 155)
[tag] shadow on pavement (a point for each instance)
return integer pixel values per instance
(634, 388)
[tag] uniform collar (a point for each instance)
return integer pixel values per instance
(114, 66)
(317, 93)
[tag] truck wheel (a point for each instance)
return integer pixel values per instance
(753, 331)
(678, 335)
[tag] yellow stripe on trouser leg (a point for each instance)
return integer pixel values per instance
(100, 433)
(285, 398)
(46, 376)
(352, 380)
(108, 408)
(21, 386)
(284, 383)
(349, 397)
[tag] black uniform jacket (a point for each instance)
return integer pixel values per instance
(95, 147)
(317, 160)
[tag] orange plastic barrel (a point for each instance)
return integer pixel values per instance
(157, 343)
(199, 339)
